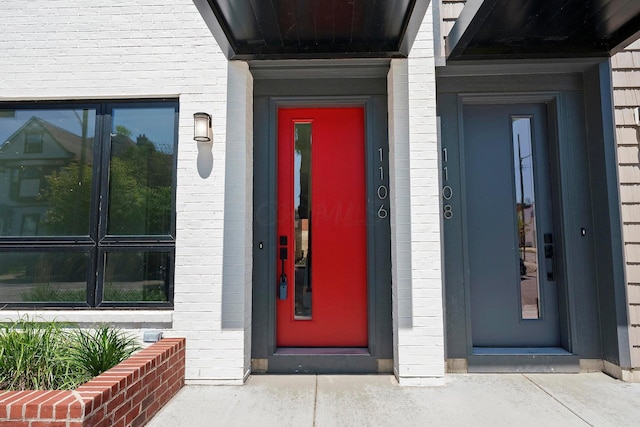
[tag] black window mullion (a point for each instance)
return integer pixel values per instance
(97, 243)
(101, 137)
(103, 203)
(92, 280)
(103, 190)
(174, 180)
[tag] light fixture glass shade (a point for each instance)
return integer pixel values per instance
(202, 127)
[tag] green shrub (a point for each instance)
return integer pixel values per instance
(46, 356)
(153, 293)
(48, 293)
(34, 355)
(97, 350)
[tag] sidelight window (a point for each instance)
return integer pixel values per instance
(87, 204)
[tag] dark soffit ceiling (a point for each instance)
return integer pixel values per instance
(489, 29)
(280, 29)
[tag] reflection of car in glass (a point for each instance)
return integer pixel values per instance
(523, 268)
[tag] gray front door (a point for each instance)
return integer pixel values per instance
(509, 227)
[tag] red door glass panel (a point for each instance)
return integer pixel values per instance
(326, 301)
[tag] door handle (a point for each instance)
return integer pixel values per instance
(283, 282)
(549, 256)
(282, 287)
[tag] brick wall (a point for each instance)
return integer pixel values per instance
(129, 394)
(109, 49)
(238, 222)
(415, 214)
(626, 97)
(114, 49)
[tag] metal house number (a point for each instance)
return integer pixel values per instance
(382, 191)
(447, 191)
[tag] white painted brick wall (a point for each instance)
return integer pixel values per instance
(415, 215)
(237, 264)
(75, 49)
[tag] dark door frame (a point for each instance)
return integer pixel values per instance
(510, 360)
(269, 95)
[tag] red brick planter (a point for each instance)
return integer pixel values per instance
(128, 394)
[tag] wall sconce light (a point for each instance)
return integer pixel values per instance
(202, 127)
(636, 116)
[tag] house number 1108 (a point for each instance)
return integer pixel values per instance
(447, 191)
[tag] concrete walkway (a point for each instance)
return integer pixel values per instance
(465, 400)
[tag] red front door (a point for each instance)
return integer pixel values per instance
(322, 268)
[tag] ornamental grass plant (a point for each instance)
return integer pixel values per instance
(94, 351)
(44, 355)
(34, 356)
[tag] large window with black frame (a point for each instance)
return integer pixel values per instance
(87, 204)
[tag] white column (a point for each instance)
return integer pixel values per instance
(214, 251)
(238, 218)
(415, 215)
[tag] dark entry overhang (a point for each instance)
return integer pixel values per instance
(506, 29)
(282, 29)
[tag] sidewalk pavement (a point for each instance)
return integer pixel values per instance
(377, 400)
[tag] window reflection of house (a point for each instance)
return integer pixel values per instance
(28, 157)
(60, 205)
(33, 141)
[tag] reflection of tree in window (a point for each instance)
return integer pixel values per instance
(140, 180)
(46, 189)
(68, 202)
(136, 276)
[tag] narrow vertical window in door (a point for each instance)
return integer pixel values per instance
(321, 282)
(302, 220)
(526, 217)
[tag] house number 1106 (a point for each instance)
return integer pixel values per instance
(382, 191)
